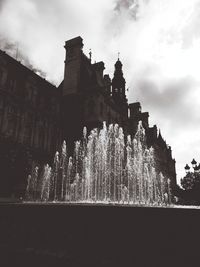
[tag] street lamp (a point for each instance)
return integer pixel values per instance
(187, 168)
(194, 163)
(196, 168)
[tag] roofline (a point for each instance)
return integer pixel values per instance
(25, 68)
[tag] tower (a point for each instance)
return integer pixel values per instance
(71, 91)
(119, 93)
(118, 84)
(72, 66)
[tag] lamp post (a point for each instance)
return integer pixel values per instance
(196, 167)
(187, 168)
(191, 181)
(194, 164)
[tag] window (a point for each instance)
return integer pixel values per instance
(109, 117)
(90, 107)
(27, 128)
(41, 138)
(34, 96)
(12, 84)
(12, 120)
(1, 103)
(1, 76)
(101, 108)
(29, 93)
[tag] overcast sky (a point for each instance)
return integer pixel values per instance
(159, 44)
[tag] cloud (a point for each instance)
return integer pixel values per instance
(41, 27)
(174, 106)
(14, 50)
(161, 50)
(191, 31)
(129, 7)
(174, 98)
(1, 4)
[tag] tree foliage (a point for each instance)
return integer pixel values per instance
(191, 181)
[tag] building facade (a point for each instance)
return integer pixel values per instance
(29, 122)
(36, 116)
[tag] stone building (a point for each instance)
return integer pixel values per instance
(36, 116)
(29, 122)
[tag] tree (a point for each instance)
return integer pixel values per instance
(191, 184)
(191, 181)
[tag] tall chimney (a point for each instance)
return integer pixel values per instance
(72, 65)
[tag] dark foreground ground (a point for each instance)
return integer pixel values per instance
(63, 235)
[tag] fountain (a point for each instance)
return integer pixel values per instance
(106, 167)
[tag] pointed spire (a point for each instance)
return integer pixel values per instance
(187, 167)
(118, 66)
(159, 134)
(118, 55)
(90, 55)
(118, 82)
(193, 162)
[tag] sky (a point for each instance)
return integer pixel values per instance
(159, 45)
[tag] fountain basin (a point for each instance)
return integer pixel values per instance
(103, 203)
(57, 234)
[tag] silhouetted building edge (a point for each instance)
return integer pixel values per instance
(36, 116)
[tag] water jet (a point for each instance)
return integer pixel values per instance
(106, 168)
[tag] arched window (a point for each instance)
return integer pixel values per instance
(12, 121)
(34, 96)
(1, 76)
(28, 128)
(1, 103)
(109, 117)
(101, 108)
(29, 93)
(41, 138)
(90, 107)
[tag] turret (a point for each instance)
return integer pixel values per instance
(118, 83)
